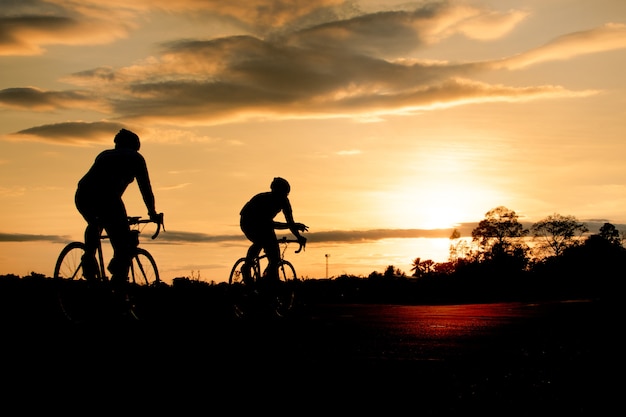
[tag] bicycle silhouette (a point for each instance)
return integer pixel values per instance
(246, 297)
(81, 299)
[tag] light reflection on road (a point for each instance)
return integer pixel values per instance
(433, 332)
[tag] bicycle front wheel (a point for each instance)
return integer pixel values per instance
(143, 269)
(286, 292)
(143, 280)
(286, 271)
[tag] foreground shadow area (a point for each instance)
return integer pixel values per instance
(339, 357)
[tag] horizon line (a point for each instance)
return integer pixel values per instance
(345, 236)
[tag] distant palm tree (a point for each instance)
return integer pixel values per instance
(416, 267)
(421, 268)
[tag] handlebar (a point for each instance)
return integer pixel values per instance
(302, 245)
(159, 222)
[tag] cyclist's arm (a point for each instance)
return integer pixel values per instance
(145, 187)
(281, 225)
(294, 227)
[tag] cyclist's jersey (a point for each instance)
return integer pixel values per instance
(113, 170)
(263, 207)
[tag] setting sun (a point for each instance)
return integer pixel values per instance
(442, 189)
(433, 206)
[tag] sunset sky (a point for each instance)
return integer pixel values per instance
(394, 121)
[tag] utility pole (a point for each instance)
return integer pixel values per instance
(327, 256)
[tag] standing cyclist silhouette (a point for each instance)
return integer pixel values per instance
(99, 200)
(258, 225)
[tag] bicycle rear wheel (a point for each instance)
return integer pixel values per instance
(239, 293)
(69, 264)
(236, 273)
(79, 300)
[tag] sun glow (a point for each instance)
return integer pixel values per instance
(436, 205)
(440, 190)
(434, 209)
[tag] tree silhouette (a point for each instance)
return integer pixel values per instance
(393, 272)
(557, 232)
(421, 268)
(499, 235)
(459, 248)
(610, 234)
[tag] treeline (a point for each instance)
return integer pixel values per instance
(555, 258)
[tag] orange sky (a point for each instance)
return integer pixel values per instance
(385, 116)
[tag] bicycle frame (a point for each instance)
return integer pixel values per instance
(284, 242)
(282, 298)
(77, 305)
(132, 221)
(69, 263)
(237, 272)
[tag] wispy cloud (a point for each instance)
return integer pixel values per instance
(20, 237)
(310, 59)
(355, 236)
(392, 34)
(329, 236)
(349, 152)
(177, 237)
(28, 26)
(12, 191)
(72, 133)
(193, 237)
(35, 99)
(174, 187)
(609, 37)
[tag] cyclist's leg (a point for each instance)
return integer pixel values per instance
(88, 210)
(118, 230)
(273, 259)
(120, 235)
(246, 271)
(92, 237)
(269, 283)
(120, 262)
(256, 235)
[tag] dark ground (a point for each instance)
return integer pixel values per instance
(561, 363)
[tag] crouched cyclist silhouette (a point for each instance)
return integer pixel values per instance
(258, 225)
(99, 200)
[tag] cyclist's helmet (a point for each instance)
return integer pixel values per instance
(127, 139)
(280, 186)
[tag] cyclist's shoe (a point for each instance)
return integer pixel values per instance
(90, 268)
(122, 306)
(246, 275)
(118, 283)
(268, 285)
